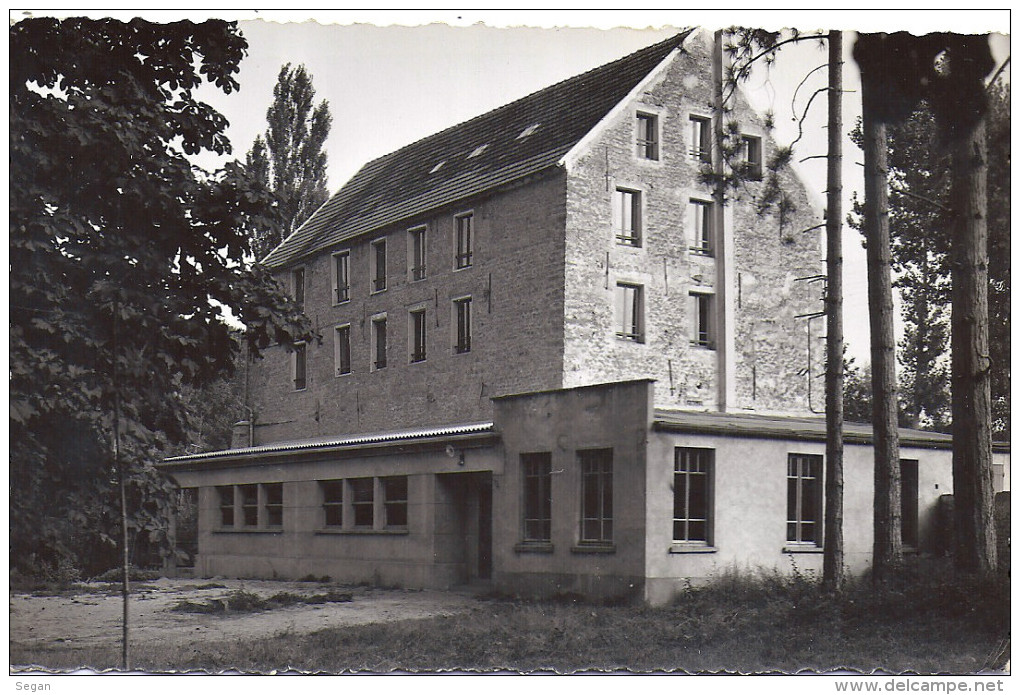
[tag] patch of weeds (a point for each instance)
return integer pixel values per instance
(312, 579)
(241, 601)
(201, 587)
(135, 574)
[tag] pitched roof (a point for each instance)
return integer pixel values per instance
(474, 156)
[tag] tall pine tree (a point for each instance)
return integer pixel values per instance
(289, 159)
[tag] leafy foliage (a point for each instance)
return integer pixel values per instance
(919, 225)
(126, 264)
(290, 160)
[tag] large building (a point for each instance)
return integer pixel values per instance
(551, 360)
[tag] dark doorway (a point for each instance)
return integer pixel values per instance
(485, 526)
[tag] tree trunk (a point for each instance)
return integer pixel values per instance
(972, 403)
(118, 463)
(832, 561)
(888, 546)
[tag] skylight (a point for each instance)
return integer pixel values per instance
(530, 130)
(437, 167)
(478, 150)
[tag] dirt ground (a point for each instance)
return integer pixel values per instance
(93, 617)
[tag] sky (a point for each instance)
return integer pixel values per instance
(392, 77)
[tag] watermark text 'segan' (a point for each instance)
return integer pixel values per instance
(907, 685)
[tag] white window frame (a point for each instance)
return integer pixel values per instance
(373, 265)
(300, 347)
(330, 503)
(412, 337)
(799, 521)
(455, 307)
(701, 220)
(298, 295)
(635, 236)
(641, 144)
(469, 215)
(335, 276)
(636, 308)
(700, 133)
(702, 309)
(338, 350)
(689, 458)
(754, 170)
(374, 362)
(417, 264)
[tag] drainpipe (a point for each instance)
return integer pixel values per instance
(724, 270)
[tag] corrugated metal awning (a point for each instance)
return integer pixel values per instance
(320, 443)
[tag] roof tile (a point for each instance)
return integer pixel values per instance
(409, 182)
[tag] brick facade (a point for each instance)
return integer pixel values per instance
(771, 346)
(544, 272)
(514, 281)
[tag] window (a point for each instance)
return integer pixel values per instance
(395, 501)
(379, 342)
(701, 320)
(628, 312)
(804, 499)
(274, 503)
(341, 277)
(297, 283)
(701, 139)
(692, 495)
(416, 253)
(378, 265)
(462, 321)
(332, 502)
(627, 217)
(418, 335)
(300, 366)
(699, 224)
(226, 493)
(647, 136)
(596, 495)
(908, 502)
(342, 349)
(537, 472)
(463, 224)
(249, 504)
(752, 156)
(363, 501)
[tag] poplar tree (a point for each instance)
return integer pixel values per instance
(289, 159)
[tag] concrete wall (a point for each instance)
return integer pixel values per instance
(429, 553)
(613, 416)
(766, 254)
(515, 282)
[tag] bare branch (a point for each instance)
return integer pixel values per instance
(997, 73)
(793, 101)
(922, 198)
(814, 156)
(811, 229)
(745, 71)
(800, 121)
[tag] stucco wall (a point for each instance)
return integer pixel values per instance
(767, 254)
(430, 553)
(749, 508)
(515, 282)
(610, 416)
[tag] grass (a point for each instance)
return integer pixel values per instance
(925, 622)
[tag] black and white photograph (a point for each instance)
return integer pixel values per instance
(510, 342)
